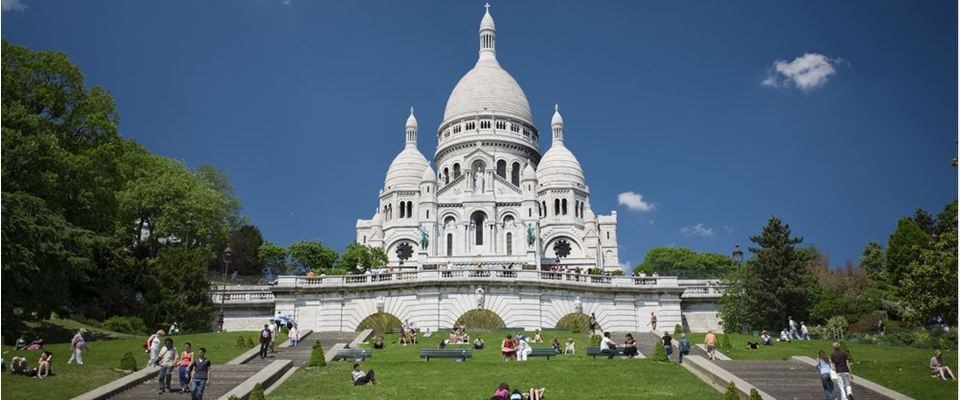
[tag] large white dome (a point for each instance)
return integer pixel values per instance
(406, 170)
(488, 88)
(559, 167)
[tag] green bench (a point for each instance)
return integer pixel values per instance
(595, 351)
(461, 355)
(543, 352)
(353, 354)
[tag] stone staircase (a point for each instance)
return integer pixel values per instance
(224, 378)
(789, 380)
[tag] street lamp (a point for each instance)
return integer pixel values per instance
(223, 294)
(738, 258)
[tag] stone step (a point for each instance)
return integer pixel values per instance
(223, 378)
(788, 380)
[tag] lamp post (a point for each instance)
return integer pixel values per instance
(738, 258)
(223, 294)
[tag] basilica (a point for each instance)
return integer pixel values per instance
(490, 199)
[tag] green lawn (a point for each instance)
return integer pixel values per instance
(100, 362)
(401, 374)
(904, 369)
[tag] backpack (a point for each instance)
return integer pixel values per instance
(684, 347)
(265, 334)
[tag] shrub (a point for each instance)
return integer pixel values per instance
(725, 343)
(233, 397)
(754, 395)
(906, 337)
(128, 362)
(677, 330)
(659, 353)
(250, 343)
(316, 355)
(618, 272)
(257, 393)
(131, 325)
(731, 393)
(241, 343)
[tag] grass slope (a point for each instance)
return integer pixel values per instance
(401, 374)
(100, 362)
(904, 369)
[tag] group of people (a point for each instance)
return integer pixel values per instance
(518, 346)
(798, 332)
(19, 366)
(834, 370)
(190, 369)
(459, 335)
(408, 333)
(503, 393)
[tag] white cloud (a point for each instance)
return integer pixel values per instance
(634, 201)
(697, 230)
(728, 229)
(12, 5)
(806, 72)
(285, 2)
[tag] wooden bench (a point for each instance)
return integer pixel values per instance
(353, 354)
(461, 355)
(543, 352)
(595, 351)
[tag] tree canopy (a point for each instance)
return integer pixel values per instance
(682, 261)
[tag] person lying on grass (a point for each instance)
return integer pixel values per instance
(360, 378)
(501, 393)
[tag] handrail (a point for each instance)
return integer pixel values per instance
(478, 274)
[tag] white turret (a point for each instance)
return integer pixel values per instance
(488, 36)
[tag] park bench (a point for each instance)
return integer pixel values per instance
(461, 355)
(543, 352)
(353, 354)
(595, 351)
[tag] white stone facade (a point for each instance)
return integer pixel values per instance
(493, 199)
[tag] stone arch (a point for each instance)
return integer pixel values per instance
(381, 322)
(478, 319)
(575, 321)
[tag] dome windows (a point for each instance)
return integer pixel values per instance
(501, 125)
(471, 126)
(502, 169)
(484, 124)
(515, 174)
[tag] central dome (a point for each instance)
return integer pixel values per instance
(488, 88)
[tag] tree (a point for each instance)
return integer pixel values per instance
(220, 182)
(245, 244)
(683, 261)
(947, 219)
(904, 246)
(176, 289)
(931, 280)
(274, 257)
(924, 220)
(358, 258)
(309, 255)
(873, 259)
(774, 284)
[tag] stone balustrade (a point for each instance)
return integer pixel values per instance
(476, 275)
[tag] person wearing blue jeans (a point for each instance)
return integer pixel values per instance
(684, 347)
(167, 361)
(824, 368)
(200, 371)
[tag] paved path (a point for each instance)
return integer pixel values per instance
(226, 377)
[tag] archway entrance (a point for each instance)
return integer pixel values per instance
(576, 321)
(381, 323)
(484, 320)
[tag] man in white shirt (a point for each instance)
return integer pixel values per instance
(524, 349)
(607, 346)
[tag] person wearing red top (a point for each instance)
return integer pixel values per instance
(508, 348)
(186, 358)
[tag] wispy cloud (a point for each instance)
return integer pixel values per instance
(634, 202)
(12, 5)
(728, 229)
(806, 72)
(285, 2)
(698, 230)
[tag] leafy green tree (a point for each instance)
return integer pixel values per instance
(683, 261)
(310, 255)
(358, 257)
(925, 221)
(873, 259)
(218, 180)
(176, 289)
(947, 219)
(774, 284)
(245, 245)
(904, 246)
(931, 280)
(731, 393)
(274, 257)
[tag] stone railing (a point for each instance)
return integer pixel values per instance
(241, 295)
(700, 288)
(473, 275)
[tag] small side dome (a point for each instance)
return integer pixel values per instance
(557, 119)
(487, 21)
(406, 170)
(559, 167)
(428, 175)
(411, 120)
(528, 172)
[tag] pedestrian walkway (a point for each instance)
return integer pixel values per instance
(788, 380)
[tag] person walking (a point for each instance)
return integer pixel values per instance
(265, 340)
(841, 365)
(186, 358)
(711, 342)
(824, 369)
(294, 335)
(793, 328)
(200, 374)
(153, 346)
(76, 347)
(653, 322)
(683, 347)
(667, 344)
(166, 360)
(804, 333)
(274, 331)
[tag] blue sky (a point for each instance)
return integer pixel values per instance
(684, 103)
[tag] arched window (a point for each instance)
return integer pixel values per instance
(456, 170)
(564, 206)
(484, 124)
(448, 221)
(576, 208)
(529, 212)
(509, 244)
(449, 244)
(428, 214)
(403, 209)
(502, 168)
(409, 209)
(581, 209)
(543, 209)
(608, 235)
(508, 220)
(478, 217)
(364, 238)
(446, 176)
(515, 174)
(556, 206)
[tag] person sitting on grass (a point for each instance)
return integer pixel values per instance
(427, 333)
(501, 393)
(556, 345)
(442, 345)
(535, 394)
(378, 342)
(43, 364)
(537, 338)
(784, 336)
(478, 343)
(508, 348)
(752, 345)
(21, 343)
(360, 378)
(403, 340)
(570, 348)
(938, 369)
(516, 395)
(765, 339)
(18, 365)
(630, 346)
